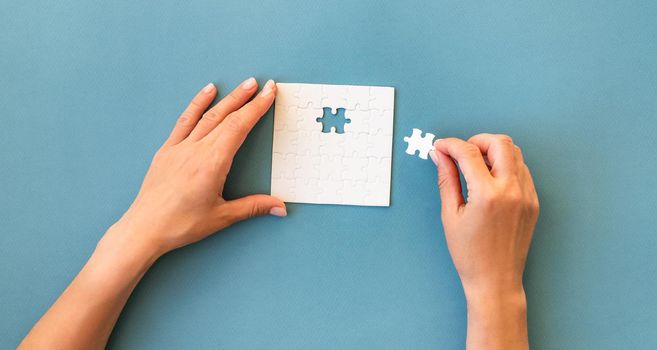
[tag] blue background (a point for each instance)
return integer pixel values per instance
(89, 91)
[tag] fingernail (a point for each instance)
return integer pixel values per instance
(248, 84)
(432, 155)
(208, 88)
(435, 142)
(269, 87)
(278, 211)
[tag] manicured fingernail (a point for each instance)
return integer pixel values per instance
(432, 155)
(278, 211)
(269, 87)
(208, 88)
(248, 84)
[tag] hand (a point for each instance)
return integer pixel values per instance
(488, 235)
(180, 200)
(179, 203)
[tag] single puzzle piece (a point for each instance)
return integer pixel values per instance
(309, 96)
(291, 123)
(309, 143)
(333, 121)
(352, 191)
(377, 166)
(381, 97)
(332, 144)
(307, 187)
(420, 144)
(374, 194)
(378, 145)
(307, 168)
(284, 166)
(334, 96)
(330, 191)
(287, 142)
(360, 121)
(380, 122)
(358, 98)
(287, 186)
(330, 168)
(354, 168)
(355, 144)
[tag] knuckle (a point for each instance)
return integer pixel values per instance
(478, 136)
(534, 203)
(505, 139)
(471, 151)
(253, 212)
(186, 119)
(195, 104)
(234, 124)
(508, 196)
(535, 206)
(489, 200)
(233, 97)
(211, 115)
(443, 180)
(513, 197)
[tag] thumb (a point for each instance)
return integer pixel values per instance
(252, 206)
(449, 181)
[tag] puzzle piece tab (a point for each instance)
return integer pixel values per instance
(420, 144)
(333, 121)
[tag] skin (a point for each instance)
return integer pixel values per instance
(488, 235)
(180, 202)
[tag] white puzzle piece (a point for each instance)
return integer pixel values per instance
(342, 155)
(420, 144)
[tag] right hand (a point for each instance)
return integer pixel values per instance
(488, 235)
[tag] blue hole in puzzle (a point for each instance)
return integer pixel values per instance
(331, 121)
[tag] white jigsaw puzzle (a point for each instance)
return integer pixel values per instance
(333, 144)
(420, 144)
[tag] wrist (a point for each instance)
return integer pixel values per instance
(499, 288)
(490, 298)
(127, 248)
(497, 318)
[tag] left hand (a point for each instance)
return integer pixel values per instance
(180, 200)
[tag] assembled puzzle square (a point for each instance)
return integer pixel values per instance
(333, 144)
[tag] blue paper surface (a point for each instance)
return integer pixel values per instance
(89, 91)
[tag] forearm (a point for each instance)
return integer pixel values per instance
(85, 314)
(497, 319)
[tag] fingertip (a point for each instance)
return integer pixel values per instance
(278, 211)
(434, 158)
(209, 89)
(249, 84)
(443, 145)
(268, 89)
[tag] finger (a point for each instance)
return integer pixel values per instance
(526, 178)
(520, 159)
(236, 99)
(249, 207)
(190, 116)
(449, 182)
(500, 151)
(230, 134)
(469, 159)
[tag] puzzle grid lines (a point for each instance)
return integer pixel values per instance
(311, 166)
